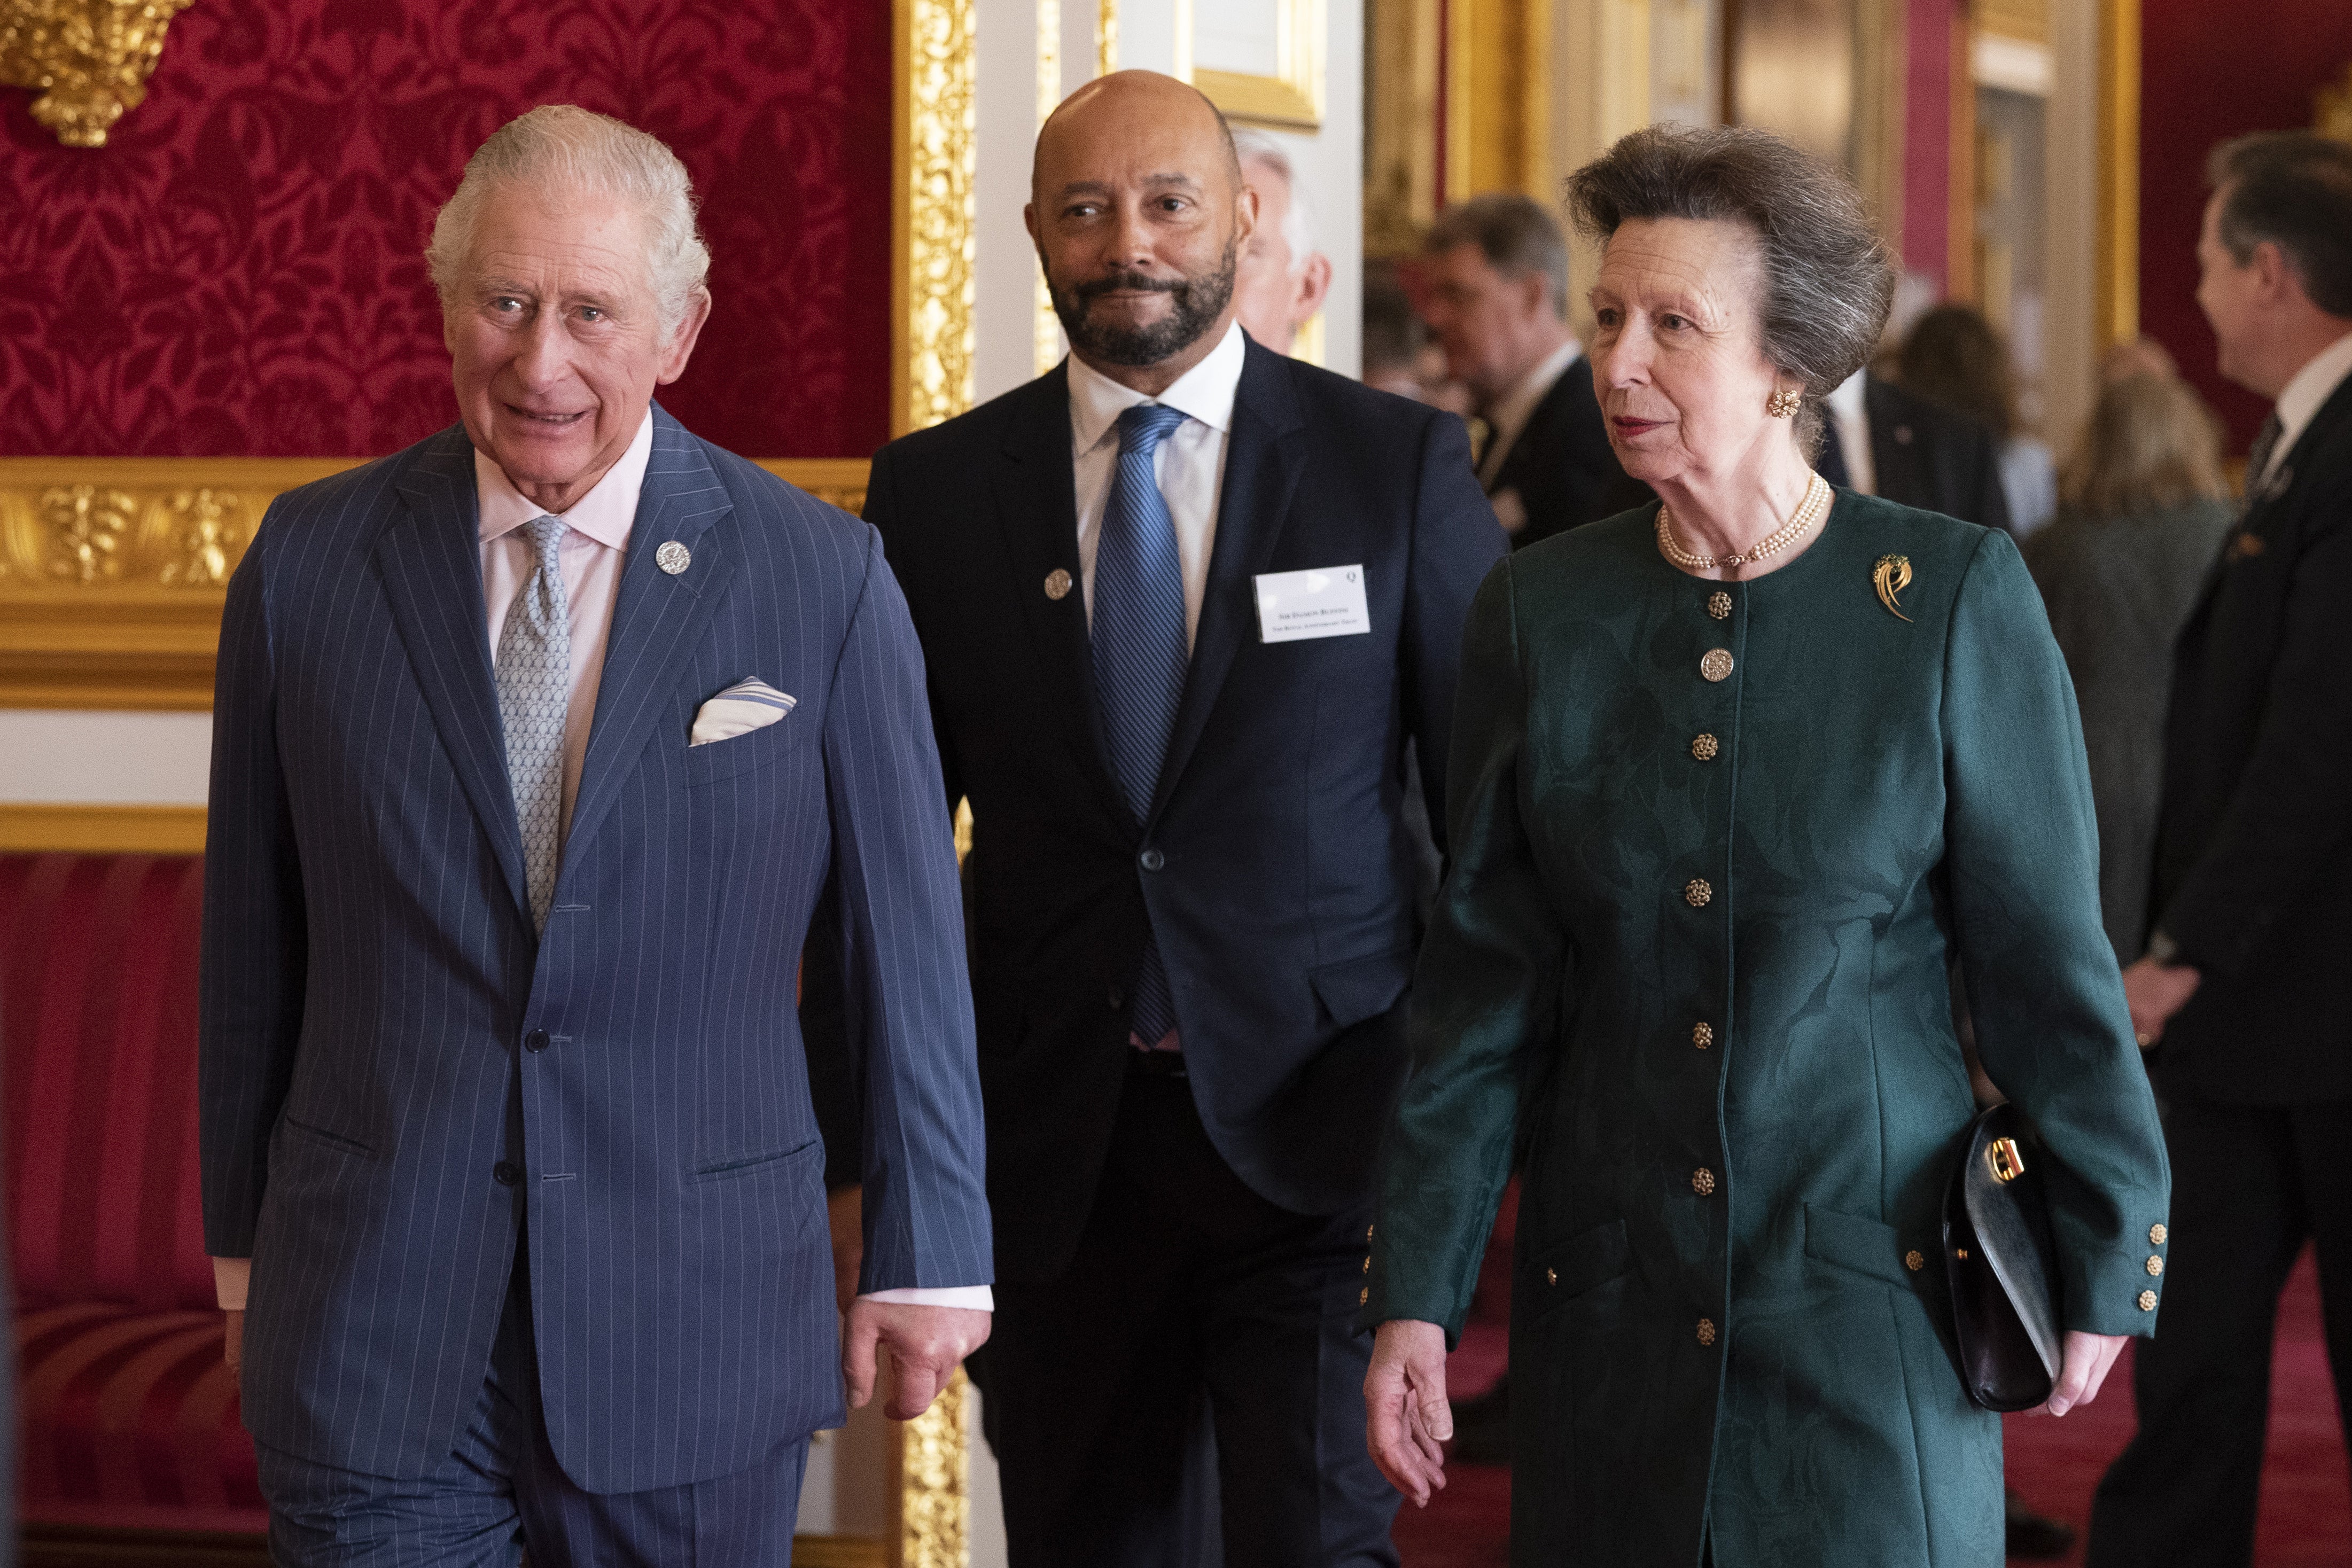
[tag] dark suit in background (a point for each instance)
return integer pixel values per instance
(1925, 455)
(583, 1165)
(2254, 858)
(1561, 466)
(1163, 1240)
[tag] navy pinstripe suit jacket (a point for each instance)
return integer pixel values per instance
(398, 1081)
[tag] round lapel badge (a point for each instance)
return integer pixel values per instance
(1057, 584)
(673, 557)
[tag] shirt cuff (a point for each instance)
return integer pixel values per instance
(230, 1278)
(971, 1298)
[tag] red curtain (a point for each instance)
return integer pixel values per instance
(239, 272)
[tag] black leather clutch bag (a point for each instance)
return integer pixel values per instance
(2004, 1266)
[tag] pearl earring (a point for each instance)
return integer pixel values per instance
(1782, 404)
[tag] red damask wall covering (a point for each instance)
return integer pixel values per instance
(239, 272)
(2209, 71)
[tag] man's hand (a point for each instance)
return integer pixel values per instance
(927, 1344)
(845, 1213)
(2082, 1366)
(233, 1342)
(1406, 1416)
(2155, 992)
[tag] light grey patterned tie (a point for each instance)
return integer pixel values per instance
(534, 671)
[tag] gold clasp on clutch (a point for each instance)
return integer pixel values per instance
(2001, 1156)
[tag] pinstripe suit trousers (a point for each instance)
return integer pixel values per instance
(501, 1491)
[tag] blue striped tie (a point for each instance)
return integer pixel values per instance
(1140, 653)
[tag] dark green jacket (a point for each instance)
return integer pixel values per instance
(1705, 984)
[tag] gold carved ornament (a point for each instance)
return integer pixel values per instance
(936, 215)
(88, 59)
(2334, 116)
(113, 570)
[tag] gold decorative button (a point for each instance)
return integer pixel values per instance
(2155, 1234)
(1704, 748)
(1057, 584)
(1716, 665)
(2155, 1266)
(1363, 1296)
(1702, 1182)
(1914, 1262)
(1367, 1234)
(1718, 604)
(1702, 1035)
(1551, 1276)
(1695, 893)
(1707, 1331)
(1368, 1265)
(2147, 1301)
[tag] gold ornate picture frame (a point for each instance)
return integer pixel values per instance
(1292, 95)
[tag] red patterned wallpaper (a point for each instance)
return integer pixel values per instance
(239, 271)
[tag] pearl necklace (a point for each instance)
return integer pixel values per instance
(1818, 497)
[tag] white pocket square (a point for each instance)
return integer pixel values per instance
(742, 707)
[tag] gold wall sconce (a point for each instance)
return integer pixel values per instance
(88, 59)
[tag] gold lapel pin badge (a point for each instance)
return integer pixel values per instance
(1891, 576)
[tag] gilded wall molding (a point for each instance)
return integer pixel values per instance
(88, 59)
(932, 1523)
(113, 570)
(935, 218)
(2115, 272)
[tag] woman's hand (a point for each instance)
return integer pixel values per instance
(1406, 1414)
(2082, 1366)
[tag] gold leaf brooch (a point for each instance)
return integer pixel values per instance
(1891, 576)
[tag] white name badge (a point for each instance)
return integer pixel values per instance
(1326, 601)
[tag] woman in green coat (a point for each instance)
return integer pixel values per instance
(1732, 781)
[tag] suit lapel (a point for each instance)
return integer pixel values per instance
(1037, 508)
(658, 620)
(430, 563)
(1265, 456)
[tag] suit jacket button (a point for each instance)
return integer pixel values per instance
(1702, 1035)
(506, 1173)
(1704, 747)
(535, 1041)
(1702, 1182)
(1695, 893)
(2147, 1301)
(2155, 1234)
(1153, 860)
(1707, 1331)
(1914, 1260)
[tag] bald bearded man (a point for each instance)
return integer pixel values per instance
(1183, 601)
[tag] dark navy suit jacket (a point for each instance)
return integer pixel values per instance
(1277, 868)
(399, 1082)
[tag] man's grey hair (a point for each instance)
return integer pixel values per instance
(1515, 234)
(2293, 188)
(1298, 221)
(560, 148)
(1827, 278)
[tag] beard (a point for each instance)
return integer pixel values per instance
(1195, 302)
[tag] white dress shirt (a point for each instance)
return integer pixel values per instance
(1507, 420)
(1189, 464)
(1847, 407)
(594, 548)
(2300, 400)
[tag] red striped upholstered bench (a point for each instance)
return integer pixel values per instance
(127, 1419)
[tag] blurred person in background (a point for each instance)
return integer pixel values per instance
(1883, 439)
(2144, 510)
(1394, 336)
(1497, 302)
(2137, 356)
(1954, 357)
(1280, 279)
(2241, 987)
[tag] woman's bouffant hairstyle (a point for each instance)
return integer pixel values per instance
(1953, 356)
(2150, 445)
(1828, 280)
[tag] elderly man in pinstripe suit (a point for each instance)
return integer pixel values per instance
(534, 746)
